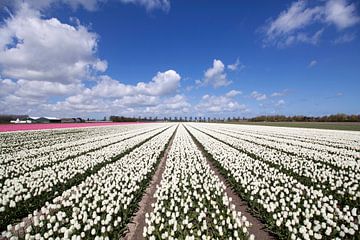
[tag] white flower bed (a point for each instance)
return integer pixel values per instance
(343, 182)
(290, 208)
(191, 200)
(101, 206)
(329, 138)
(27, 142)
(295, 145)
(61, 140)
(339, 157)
(50, 155)
(19, 193)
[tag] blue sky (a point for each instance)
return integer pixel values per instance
(179, 58)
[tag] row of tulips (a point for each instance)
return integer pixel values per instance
(101, 206)
(23, 194)
(342, 183)
(67, 139)
(338, 139)
(53, 154)
(15, 142)
(290, 208)
(191, 202)
(295, 145)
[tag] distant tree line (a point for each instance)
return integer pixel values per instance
(123, 119)
(265, 118)
(6, 118)
(329, 118)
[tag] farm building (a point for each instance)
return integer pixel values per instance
(71, 120)
(44, 119)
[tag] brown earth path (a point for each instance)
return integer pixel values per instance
(258, 228)
(136, 226)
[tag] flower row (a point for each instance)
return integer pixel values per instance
(191, 201)
(21, 194)
(51, 155)
(291, 209)
(100, 206)
(343, 183)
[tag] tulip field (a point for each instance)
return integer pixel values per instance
(215, 181)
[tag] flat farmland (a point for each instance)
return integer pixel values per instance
(351, 126)
(180, 181)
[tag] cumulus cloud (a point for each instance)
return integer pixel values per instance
(215, 76)
(340, 13)
(258, 96)
(174, 106)
(6, 87)
(40, 89)
(107, 95)
(290, 26)
(37, 49)
(163, 83)
(128, 105)
(233, 93)
(44, 70)
(220, 104)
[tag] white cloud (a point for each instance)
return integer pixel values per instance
(233, 93)
(37, 49)
(312, 63)
(129, 105)
(290, 27)
(45, 71)
(220, 104)
(107, 96)
(280, 94)
(151, 4)
(340, 13)
(215, 76)
(258, 96)
(345, 38)
(90, 5)
(296, 17)
(302, 38)
(176, 105)
(280, 103)
(164, 83)
(40, 89)
(6, 86)
(235, 66)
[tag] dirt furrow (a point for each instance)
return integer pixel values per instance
(135, 228)
(258, 228)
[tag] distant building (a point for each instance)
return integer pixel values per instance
(71, 120)
(45, 119)
(67, 120)
(20, 121)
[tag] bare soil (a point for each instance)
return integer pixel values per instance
(135, 228)
(258, 228)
